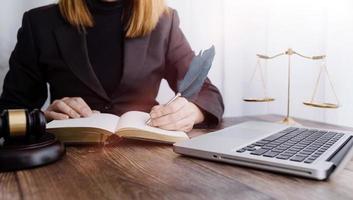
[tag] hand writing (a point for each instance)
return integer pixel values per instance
(180, 115)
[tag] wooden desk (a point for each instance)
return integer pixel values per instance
(141, 170)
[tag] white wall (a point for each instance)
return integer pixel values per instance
(242, 28)
(340, 50)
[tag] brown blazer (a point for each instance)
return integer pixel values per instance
(50, 51)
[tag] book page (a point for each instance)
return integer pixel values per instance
(137, 120)
(103, 121)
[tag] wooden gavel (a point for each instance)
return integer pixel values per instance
(22, 123)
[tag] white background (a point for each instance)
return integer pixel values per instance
(242, 28)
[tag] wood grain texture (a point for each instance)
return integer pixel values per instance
(9, 187)
(130, 169)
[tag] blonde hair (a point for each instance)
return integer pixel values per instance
(143, 17)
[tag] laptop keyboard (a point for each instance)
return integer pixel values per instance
(294, 144)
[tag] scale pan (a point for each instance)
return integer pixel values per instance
(321, 105)
(267, 99)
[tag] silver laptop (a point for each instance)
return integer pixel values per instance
(298, 151)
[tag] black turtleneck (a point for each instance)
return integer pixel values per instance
(105, 42)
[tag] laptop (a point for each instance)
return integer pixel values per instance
(299, 151)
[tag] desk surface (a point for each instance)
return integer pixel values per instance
(141, 170)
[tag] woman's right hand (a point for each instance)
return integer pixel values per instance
(74, 107)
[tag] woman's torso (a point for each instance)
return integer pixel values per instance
(64, 59)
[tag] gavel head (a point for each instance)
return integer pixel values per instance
(22, 123)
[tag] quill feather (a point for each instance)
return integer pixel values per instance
(195, 77)
(197, 73)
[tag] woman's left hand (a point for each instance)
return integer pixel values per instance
(180, 115)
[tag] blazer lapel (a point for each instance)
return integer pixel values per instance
(135, 51)
(73, 47)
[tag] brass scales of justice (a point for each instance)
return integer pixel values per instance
(312, 103)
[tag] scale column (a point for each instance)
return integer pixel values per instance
(288, 120)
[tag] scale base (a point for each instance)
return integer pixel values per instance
(289, 121)
(18, 154)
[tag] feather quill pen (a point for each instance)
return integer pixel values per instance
(195, 76)
(197, 73)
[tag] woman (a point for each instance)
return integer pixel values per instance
(108, 56)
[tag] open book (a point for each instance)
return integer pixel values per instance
(97, 129)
